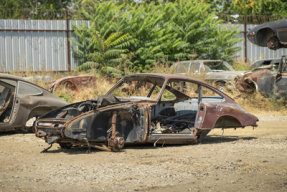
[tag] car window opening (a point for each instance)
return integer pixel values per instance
(177, 111)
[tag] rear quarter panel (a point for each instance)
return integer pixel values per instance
(209, 113)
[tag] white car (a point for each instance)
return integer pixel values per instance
(218, 72)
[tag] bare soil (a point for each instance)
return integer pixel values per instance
(238, 160)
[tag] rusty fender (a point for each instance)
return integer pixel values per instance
(212, 115)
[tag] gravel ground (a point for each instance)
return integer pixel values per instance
(241, 160)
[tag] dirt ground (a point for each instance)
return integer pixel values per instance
(238, 160)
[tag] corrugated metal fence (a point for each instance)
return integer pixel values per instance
(36, 45)
(43, 45)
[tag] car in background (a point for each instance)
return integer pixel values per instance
(74, 83)
(21, 102)
(270, 83)
(272, 35)
(271, 64)
(144, 108)
(216, 72)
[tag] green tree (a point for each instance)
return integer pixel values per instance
(35, 9)
(82, 40)
(170, 31)
(107, 53)
(197, 25)
(261, 7)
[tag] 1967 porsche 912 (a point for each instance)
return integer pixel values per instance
(144, 108)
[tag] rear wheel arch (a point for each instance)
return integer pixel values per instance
(227, 121)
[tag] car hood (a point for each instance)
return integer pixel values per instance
(226, 75)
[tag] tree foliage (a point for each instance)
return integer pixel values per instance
(171, 31)
(260, 7)
(34, 9)
(249, 7)
(36, 4)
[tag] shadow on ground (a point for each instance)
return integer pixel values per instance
(2, 134)
(207, 140)
(224, 139)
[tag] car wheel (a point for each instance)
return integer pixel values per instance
(66, 145)
(221, 87)
(273, 43)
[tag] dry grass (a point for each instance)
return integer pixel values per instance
(240, 65)
(259, 105)
(254, 103)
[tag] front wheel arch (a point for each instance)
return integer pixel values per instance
(34, 114)
(251, 86)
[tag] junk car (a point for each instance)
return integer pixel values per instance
(272, 35)
(144, 108)
(217, 72)
(270, 83)
(270, 64)
(74, 83)
(21, 102)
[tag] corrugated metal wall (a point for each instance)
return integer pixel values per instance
(36, 50)
(45, 50)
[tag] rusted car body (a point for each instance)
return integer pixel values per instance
(157, 108)
(272, 35)
(75, 83)
(270, 83)
(216, 72)
(21, 101)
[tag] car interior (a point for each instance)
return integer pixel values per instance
(7, 94)
(177, 110)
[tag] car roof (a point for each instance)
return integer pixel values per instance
(18, 78)
(180, 77)
(198, 61)
(272, 59)
(4, 75)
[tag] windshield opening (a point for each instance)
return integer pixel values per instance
(216, 66)
(141, 87)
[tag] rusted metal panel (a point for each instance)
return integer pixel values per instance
(108, 122)
(75, 83)
(270, 83)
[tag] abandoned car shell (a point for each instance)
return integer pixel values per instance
(75, 83)
(160, 108)
(272, 35)
(21, 101)
(270, 83)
